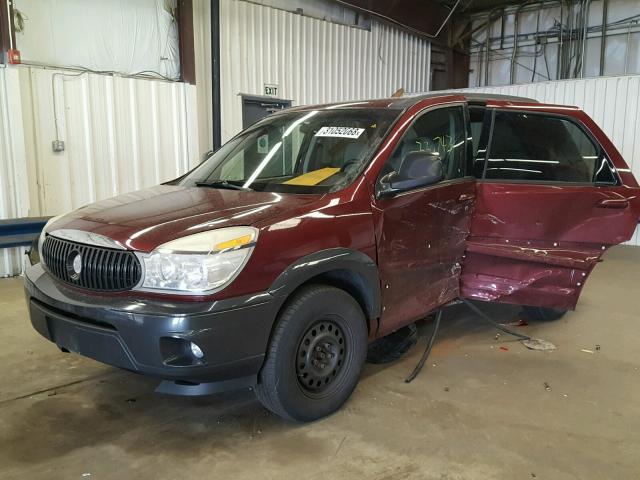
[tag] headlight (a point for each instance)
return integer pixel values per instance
(43, 235)
(202, 263)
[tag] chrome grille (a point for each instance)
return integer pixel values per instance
(102, 269)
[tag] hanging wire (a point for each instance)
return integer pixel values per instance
(575, 44)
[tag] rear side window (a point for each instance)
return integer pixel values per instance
(537, 147)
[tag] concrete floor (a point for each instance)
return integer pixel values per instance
(476, 411)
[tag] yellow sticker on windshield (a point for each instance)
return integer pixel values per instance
(313, 178)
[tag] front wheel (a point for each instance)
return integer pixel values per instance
(316, 353)
(542, 313)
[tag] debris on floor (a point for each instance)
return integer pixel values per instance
(538, 344)
(339, 446)
(587, 351)
(547, 387)
(503, 348)
(518, 323)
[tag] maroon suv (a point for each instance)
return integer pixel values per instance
(274, 262)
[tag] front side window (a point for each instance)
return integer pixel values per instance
(538, 147)
(313, 151)
(440, 131)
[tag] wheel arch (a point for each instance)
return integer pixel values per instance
(350, 270)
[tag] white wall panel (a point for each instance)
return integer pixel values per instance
(128, 36)
(14, 198)
(311, 60)
(202, 50)
(612, 102)
(121, 134)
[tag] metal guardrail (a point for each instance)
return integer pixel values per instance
(20, 232)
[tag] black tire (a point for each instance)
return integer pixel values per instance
(542, 314)
(315, 356)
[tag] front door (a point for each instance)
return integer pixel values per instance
(421, 232)
(549, 203)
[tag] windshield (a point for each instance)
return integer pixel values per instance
(313, 151)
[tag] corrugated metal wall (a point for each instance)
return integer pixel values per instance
(613, 102)
(123, 134)
(14, 197)
(120, 134)
(311, 60)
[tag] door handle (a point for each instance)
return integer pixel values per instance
(619, 203)
(465, 196)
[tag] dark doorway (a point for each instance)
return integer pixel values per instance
(255, 108)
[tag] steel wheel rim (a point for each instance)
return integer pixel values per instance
(320, 356)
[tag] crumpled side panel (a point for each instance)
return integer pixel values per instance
(577, 214)
(536, 244)
(582, 257)
(545, 276)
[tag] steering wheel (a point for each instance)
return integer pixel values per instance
(347, 164)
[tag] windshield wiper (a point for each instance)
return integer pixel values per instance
(222, 184)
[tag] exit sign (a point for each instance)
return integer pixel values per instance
(271, 89)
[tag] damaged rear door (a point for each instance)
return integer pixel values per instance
(550, 200)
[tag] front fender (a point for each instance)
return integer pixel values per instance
(343, 265)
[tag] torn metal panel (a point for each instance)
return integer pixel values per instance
(554, 213)
(523, 280)
(573, 257)
(536, 244)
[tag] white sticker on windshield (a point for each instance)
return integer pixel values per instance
(342, 132)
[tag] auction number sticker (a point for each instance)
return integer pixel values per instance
(342, 132)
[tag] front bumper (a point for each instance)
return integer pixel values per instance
(152, 337)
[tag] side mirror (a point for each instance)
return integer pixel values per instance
(418, 169)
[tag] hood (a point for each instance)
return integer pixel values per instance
(147, 218)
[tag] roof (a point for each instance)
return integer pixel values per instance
(401, 103)
(475, 96)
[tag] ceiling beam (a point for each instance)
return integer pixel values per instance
(423, 17)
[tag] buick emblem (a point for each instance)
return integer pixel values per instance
(77, 264)
(74, 265)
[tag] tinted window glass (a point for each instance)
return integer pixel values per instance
(480, 124)
(540, 148)
(476, 121)
(441, 131)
